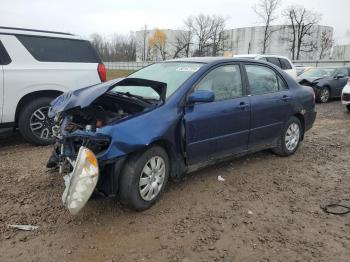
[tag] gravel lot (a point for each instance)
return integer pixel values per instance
(267, 209)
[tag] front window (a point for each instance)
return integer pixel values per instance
(318, 72)
(174, 74)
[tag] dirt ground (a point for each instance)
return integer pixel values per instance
(267, 209)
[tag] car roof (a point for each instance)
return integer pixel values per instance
(260, 55)
(36, 32)
(208, 59)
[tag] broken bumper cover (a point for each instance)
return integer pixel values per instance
(81, 182)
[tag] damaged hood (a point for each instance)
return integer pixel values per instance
(309, 80)
(85, 96)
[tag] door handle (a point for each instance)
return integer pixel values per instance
(243, 105)
(285, 98)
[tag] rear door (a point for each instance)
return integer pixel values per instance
(271, 105)
(218, 128)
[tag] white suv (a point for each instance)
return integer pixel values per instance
(281, 61)
(35, 67)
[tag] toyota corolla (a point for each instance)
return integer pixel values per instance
(128, 137)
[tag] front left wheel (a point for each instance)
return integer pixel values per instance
(144, 178)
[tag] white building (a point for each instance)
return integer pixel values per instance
(341, 52)
(249, 40)
(144, 52)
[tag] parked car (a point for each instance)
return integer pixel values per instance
(302, 69)
(281, 61)
(327, 82)
(128, 136)
(37, 66)
(345, 96)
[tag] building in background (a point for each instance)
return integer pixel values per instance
(248, 40)
(158, 44)
(341, 52)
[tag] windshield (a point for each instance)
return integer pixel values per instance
(318, 72)
(171, 73)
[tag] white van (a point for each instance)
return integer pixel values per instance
(35, 67)
(281, 61)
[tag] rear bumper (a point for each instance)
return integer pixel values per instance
(310, 117)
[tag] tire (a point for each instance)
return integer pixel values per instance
(27, 117)
(348, 107)
(323, 95)
(130, 186)
(283, 149)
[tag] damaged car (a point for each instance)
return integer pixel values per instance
(128, 137)
(327, 82)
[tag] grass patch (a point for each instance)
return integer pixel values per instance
(112, 74)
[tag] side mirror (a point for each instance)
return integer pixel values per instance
(338, 76)
(201, 96)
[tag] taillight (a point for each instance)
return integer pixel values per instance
(101, 69)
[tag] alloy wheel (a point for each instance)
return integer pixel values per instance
(292, 136)
(40, 124)
(152, 178)
(324, 95)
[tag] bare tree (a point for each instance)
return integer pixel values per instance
(302, 25)
(266, 10)
(218, 37)
(326, 43)
(182, 44)
(207, 32)
(119, 48)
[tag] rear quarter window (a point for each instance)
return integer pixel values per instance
(274, 60)
(285, 65)
(45, 49)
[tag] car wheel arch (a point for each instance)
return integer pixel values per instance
(302, 121)
(28, 97)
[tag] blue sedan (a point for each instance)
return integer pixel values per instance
(128, 137)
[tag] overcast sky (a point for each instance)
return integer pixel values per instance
(106, 17)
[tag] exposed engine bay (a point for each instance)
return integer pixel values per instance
(105, 110)
(77, 127)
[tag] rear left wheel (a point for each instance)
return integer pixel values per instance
(290, 138)
(144, 178)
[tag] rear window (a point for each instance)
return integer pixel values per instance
(45, 49)
(285, 65)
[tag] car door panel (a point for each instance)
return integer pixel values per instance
(269, 113)
(271, 105)
(337, 84)
(218, 128)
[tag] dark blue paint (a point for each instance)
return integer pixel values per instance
(204, 130)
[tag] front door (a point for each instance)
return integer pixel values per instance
(338, 83)
(218, 128)
(271, 105)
